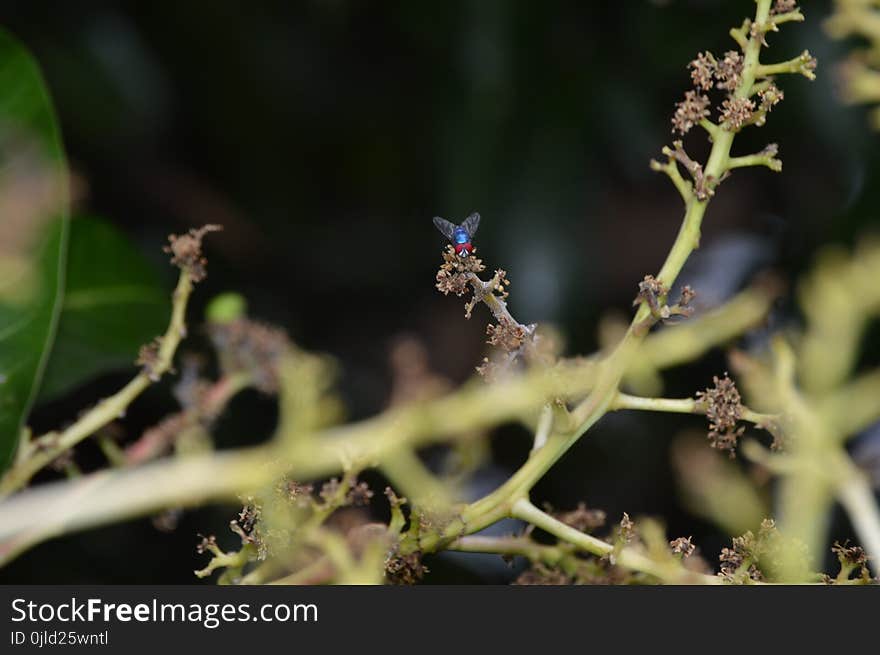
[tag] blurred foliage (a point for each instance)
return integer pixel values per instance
(860, 73)
(225, 308)
(33, 234)
(114, 301)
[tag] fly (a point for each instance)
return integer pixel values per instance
(459, 235)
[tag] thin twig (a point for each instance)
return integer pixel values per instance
(46, 448)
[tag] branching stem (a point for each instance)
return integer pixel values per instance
(48, 447)
(626, 557)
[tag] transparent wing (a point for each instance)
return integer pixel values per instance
(471, 223)
(446, 228)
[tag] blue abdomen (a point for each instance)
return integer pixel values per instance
(460, 235)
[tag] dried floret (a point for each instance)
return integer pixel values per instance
(723, 407)
(627, 528)
(455, 272)
(404, 569)
(186, 251)
(736, 112)
(541, 574)
(207, 544)
(359, 494)
(582, 518)
(729, 70)
(783, 7)
(690, 111)
(683, 546)
(703, 70)
(507, 335)
(651, 290)
(148, 358)
(249, 346)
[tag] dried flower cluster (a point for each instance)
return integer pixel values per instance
(582, 518)
(352, 492)
(653, 292)
(703, 72)
(783, 7)
(769, 96)
(736, 112)
(575, 567)
(690, 111)
(748, 97)
(248, 526)
(852, 560)
(627, 528)
(456, 272)
(766, 555)
(289, 518)
(683, 546)
(298, 494)
(723, 407)
(148, 358)
(706, 72)
(582, 568)
(854, 555)
(246, 346)
(732, 562)
(405, 569)
(458, 275)
(507, 335)
(395, 501)
(728, 72)
(186, 251)
(207, 544)
(539, 574)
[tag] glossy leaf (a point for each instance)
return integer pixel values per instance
(33, 235)
(114, 301)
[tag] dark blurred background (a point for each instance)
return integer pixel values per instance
(325, 134)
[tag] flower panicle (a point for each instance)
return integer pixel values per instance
(749, 93)
(459, 275)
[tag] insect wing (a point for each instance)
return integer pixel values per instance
(471, 223)
(446, 228)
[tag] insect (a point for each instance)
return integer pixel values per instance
(459, 235)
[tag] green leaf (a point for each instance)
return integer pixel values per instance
(114, 301)
(33, 235)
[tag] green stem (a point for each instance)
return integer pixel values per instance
(625, 557)
(682, 406)
(48, 447)
(673, 405)
(409, 475)
(788, 17)
(555, 556)
(755, 160)
(797, 65)
(852, 407)
(857, 498)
